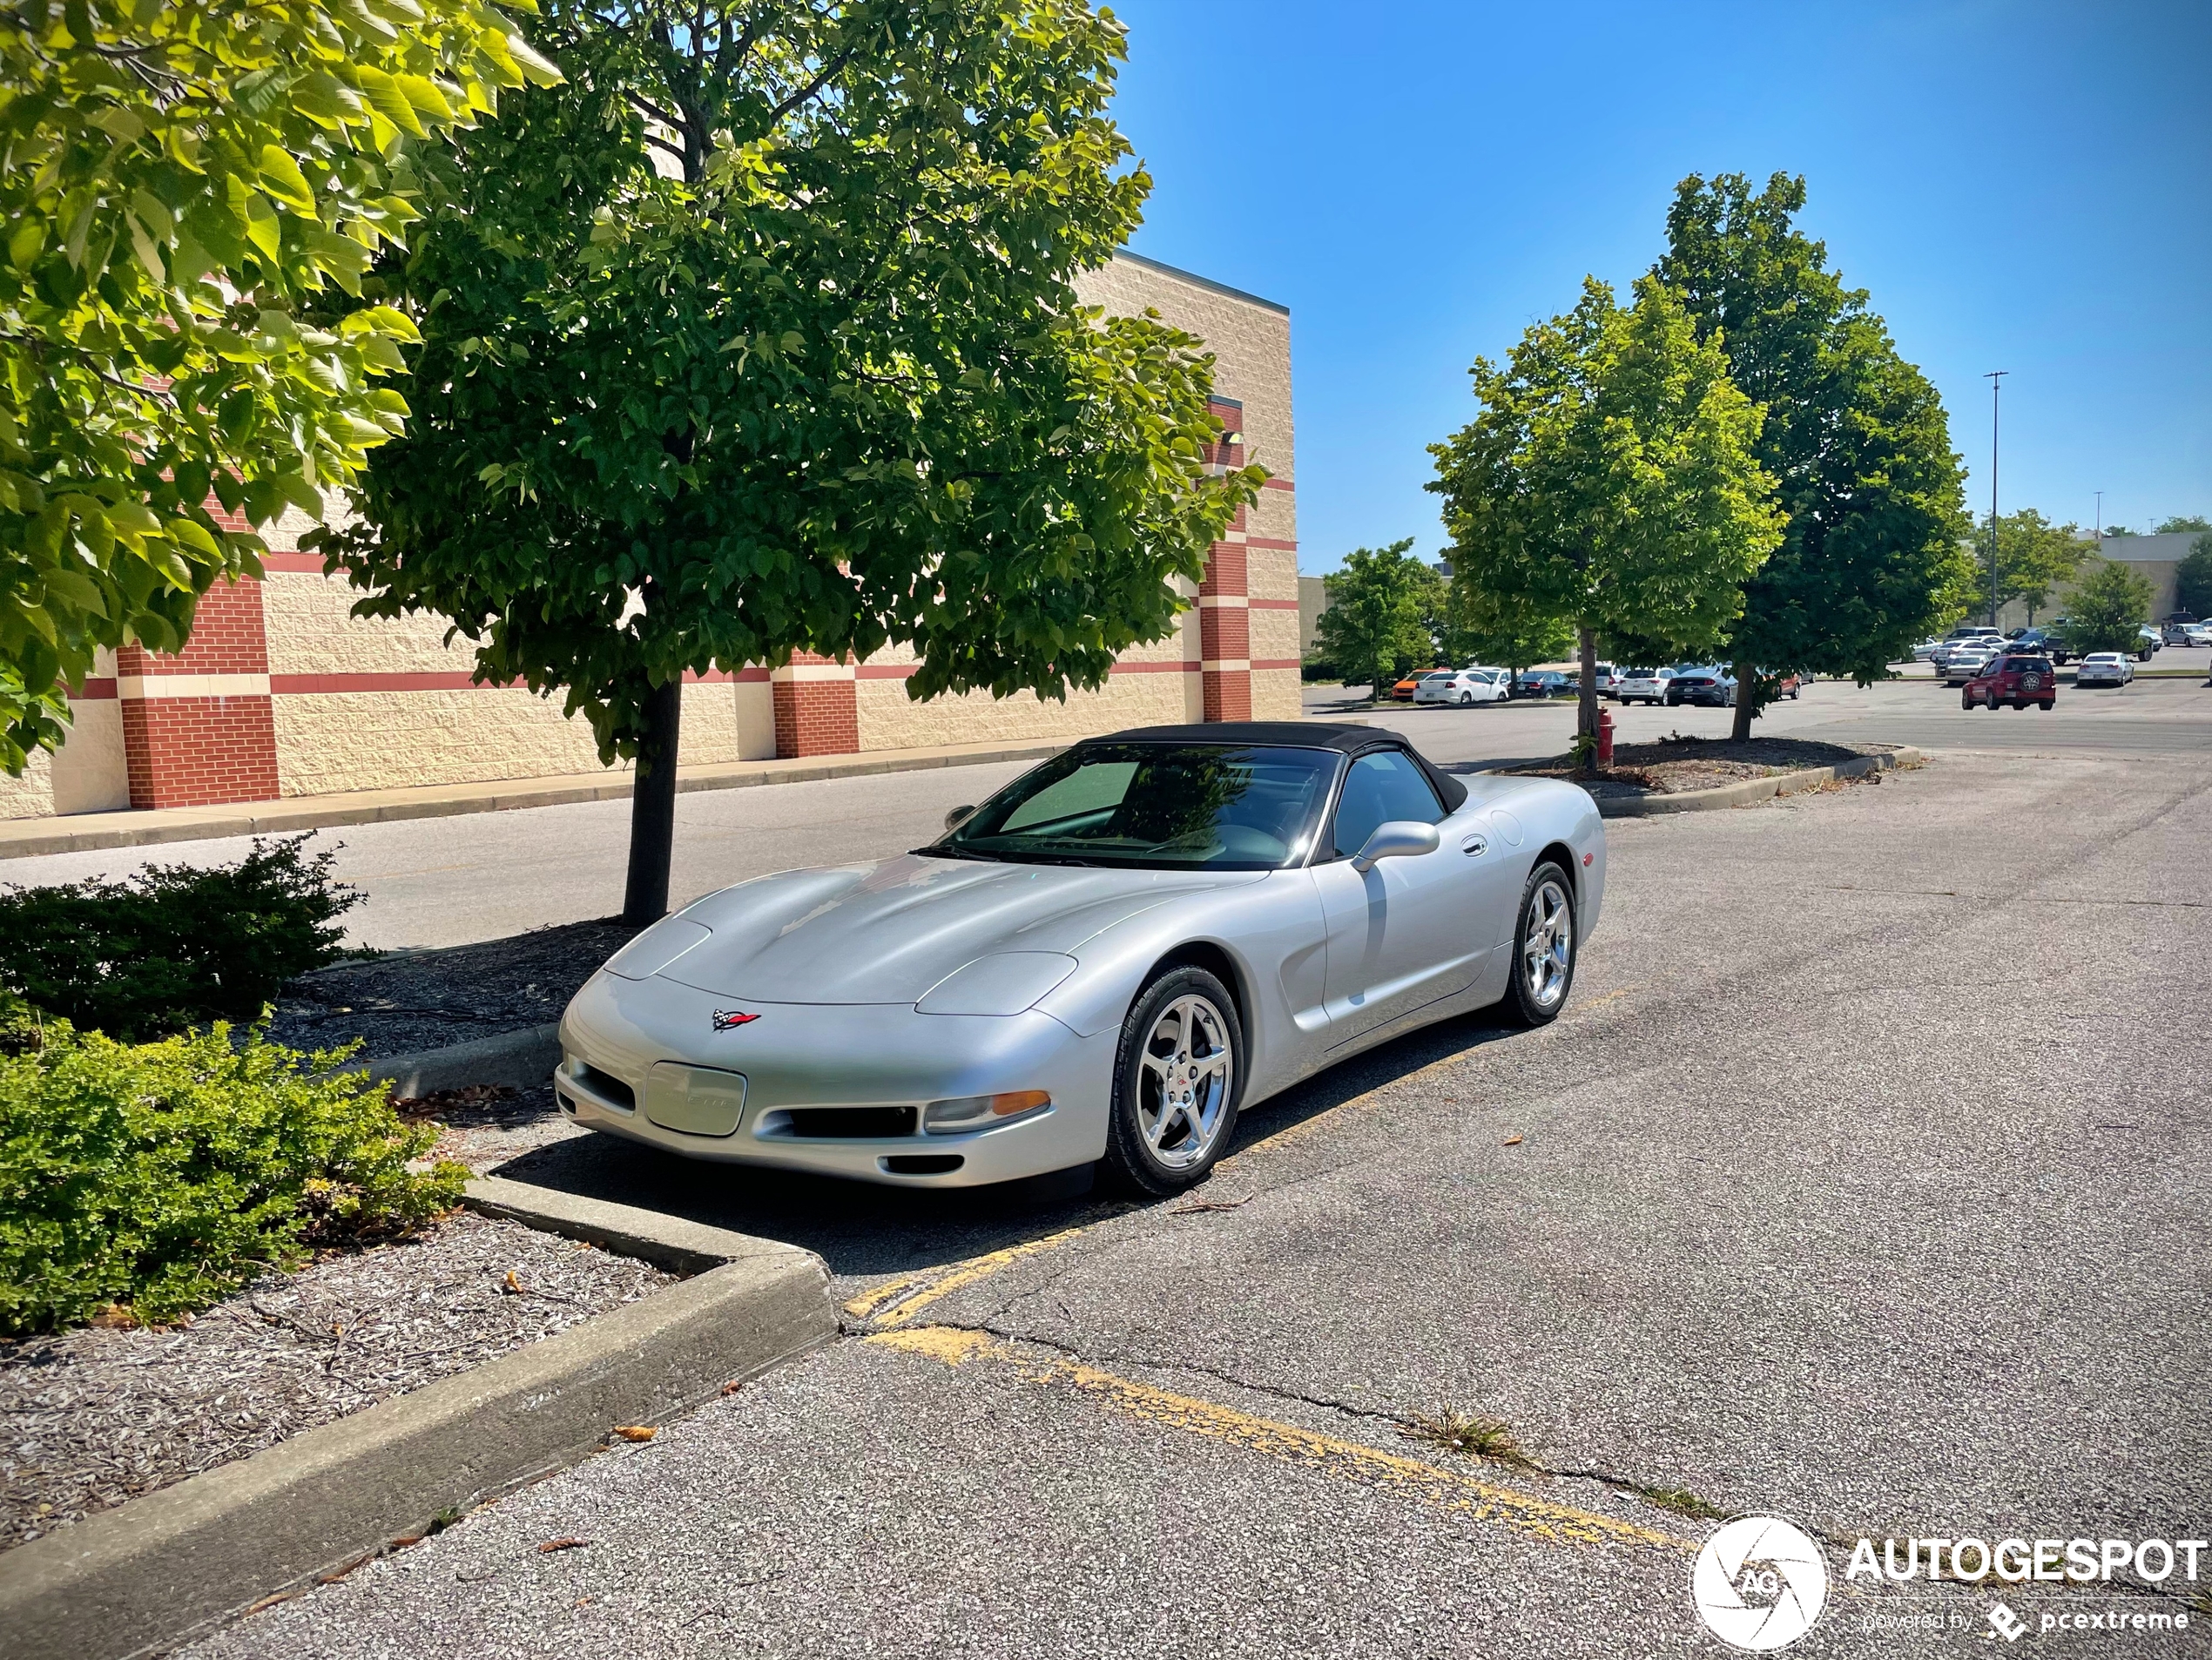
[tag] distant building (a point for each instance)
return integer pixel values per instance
(1312, 600)
(2155, 558)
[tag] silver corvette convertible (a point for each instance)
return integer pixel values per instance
(1107, 959)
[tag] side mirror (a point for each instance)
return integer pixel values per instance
(958, 817)
(1398, 839)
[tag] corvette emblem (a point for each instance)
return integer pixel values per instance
(730, 1019)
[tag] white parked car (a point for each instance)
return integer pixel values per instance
(2104, 668)
(1464, 687)
(1642, 686)
(1961, 640)
(1924, 650)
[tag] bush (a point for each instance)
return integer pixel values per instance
(162, 1177)
(174, 946)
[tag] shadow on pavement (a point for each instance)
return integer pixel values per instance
(859, 1229)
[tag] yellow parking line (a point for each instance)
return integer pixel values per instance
(905, 1304)
(1286, 1443)
(909, 1294)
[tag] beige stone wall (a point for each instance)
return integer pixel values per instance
(333, 741)
(87, 774)
(1278, 694)
(889, 720)
(312, 630)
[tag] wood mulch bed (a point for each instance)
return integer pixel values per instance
(90, 1418)
(410, 1002)
(1675, 766)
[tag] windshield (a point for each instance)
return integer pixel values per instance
(1154, 807)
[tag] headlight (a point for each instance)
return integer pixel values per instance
(657, 948)
(974, 1111)
(1005, 983)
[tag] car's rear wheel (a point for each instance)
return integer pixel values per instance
(1543, 948)
(1177, 1079)
(1965, 700)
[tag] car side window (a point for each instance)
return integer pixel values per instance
(1381, 787)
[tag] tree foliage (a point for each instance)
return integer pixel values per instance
(1610, 481)
(180, 182)
(1382, 606)
(759, 336)
(2193, 578)
(1855, 436)
(2183, 524)
(2106, 609)
(2033, 557)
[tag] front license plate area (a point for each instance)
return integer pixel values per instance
(694, 1100)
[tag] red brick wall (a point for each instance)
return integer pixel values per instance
(193, 752)
(196, 751)
(228, 637)
(816, 717)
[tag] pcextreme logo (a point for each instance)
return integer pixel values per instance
(1760, 1583)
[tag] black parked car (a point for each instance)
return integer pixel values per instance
(1713, 687)
(1541, 683)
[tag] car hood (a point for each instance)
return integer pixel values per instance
(887, 933)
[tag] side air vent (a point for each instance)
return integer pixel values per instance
(606, 1085)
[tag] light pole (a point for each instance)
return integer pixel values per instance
(2101, 516)
(1996, 379)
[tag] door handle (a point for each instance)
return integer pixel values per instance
(1475, 846)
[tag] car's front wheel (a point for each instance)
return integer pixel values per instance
(1543, 948)
(1177, 1079)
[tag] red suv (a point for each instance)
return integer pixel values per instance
(2015, 679)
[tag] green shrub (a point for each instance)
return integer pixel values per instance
(174, 946)
(163, 1177)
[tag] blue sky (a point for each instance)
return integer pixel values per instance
(2022, 187)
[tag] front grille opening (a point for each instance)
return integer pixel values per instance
(606, 1085)
(922, 1164)
(851, 1123)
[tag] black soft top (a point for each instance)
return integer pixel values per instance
(1293, 734)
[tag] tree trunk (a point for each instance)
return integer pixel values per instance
(1747, 700)
(653, 807)
(1586, 704)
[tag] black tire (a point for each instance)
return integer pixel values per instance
(1138, 1077)
(1967, 700)
(1523, 1004)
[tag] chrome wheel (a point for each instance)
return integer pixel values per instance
(1188, 1078)
(1548, 952)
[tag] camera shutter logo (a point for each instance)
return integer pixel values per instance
(1760, 1583)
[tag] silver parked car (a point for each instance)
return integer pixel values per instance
(1960, 639)
(1967, 659)
(2104, 668)
(1107, 960)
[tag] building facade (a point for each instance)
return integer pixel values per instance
(2156, 559)
(281, 691)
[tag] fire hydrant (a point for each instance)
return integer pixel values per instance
(1605, 740)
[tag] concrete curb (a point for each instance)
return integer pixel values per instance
(160, 1569)
(27, 838)
(523, 1058)
(1748, 790)
(672, 1241)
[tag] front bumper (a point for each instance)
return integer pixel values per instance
(811, 1056)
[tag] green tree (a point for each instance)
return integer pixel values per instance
(1855, 436)
(1610, 481)
(1377, 626)
(1479, 634)
(2107, 608)
(2116, 529)
(2033, 557)
(758, 336)
(2184, 524)
(2193, 578)
(180, 183)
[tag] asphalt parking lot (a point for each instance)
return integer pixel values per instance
(1863, 1183)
